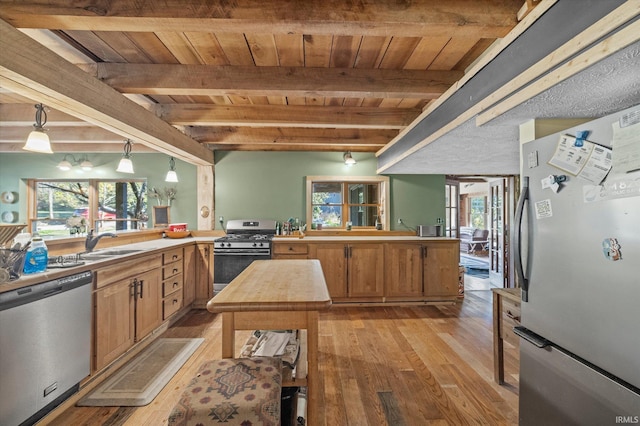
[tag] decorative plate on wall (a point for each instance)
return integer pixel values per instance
(8, 197)
(9, 217)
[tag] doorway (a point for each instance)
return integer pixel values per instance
(485, 207)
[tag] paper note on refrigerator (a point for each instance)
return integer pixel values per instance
(626, 147)
(590, 162)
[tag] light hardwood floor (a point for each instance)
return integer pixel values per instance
(410, 365)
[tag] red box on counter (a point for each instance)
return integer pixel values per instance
(177, 227)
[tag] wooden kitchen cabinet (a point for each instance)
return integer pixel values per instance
(204, 275)
(333, 260)
(172, 282)
(365, 270)
(289, 250)
(114, 323)
(441, 261)
(352, 271)
(404, 270)
(127, 306)
(421, 271)
(189, 275)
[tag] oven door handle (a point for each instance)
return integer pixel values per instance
(241, 253)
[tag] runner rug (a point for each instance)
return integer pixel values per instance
(139, 381)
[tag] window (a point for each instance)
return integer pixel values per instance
(451, 191)
(477, 212)
(334, 201)
(60, 208)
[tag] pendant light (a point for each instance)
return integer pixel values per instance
(172, 176)
(348, 159)
(83, 162)
(125, 165)
(38, 141)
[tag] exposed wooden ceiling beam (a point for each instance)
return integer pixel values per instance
(286, 116)
(26, 68)
(77, 147)
(418, 18)
(23, 115)
(287, 147)
(62, 134)
(332, 139)
(208, 80)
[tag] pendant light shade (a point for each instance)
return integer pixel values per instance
(66, 165)
(172, 176)
(38, 141)
(125, 165)
(348, 159)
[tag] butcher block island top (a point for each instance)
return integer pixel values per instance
(275, 285)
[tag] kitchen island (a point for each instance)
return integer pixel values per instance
(276, 294)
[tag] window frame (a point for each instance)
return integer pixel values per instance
(93, 202)
(345, 181)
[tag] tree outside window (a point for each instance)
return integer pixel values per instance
(63, 207)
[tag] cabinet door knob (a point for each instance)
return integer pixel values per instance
(513, 317)
(175, 270)
(175, 256)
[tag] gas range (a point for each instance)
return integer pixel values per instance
(246, 241)
(243, 241)
(250, 235)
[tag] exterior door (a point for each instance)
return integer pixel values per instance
(452, 202)
(498, 238)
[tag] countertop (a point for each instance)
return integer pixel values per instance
(146, 248)
(275, 285)
(366, 238)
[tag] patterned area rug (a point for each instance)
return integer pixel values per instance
(475, 266)
(139, 381)
(243, 391)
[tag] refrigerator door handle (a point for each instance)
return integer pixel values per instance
(531, 337)
(517, 249)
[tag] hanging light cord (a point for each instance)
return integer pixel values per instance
(39, 112)
(127, 148)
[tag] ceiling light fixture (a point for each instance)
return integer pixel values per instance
(38, 141)
(172, 176)
(125, 165)
(348, 159)
(66, 165)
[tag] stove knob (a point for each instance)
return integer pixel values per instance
(261, 244)
(228, 244)
(255, 244)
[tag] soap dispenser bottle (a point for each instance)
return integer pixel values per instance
(37, 257)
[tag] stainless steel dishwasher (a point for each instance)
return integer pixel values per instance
(45, 346)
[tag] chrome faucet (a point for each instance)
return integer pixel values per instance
(91, 241)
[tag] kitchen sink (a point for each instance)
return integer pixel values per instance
(105, 254)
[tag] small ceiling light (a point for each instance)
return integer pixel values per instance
(348, 159)
(66, 165)
(86, 165)
(125, 165)
(38, 141)
(172, 176)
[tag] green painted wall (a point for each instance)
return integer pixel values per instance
(272, 185)
(247, 184)
(16, 167)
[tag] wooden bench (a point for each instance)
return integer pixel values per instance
(232, 391)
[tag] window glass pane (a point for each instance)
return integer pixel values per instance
(55, 203)
(327, 193)
(119, 202)
(363, 215)
(363, 193)
(328, 216)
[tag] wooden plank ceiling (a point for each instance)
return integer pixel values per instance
(324, 75)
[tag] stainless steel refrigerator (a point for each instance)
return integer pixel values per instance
(577, 255)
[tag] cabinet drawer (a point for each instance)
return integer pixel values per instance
(280, 248)
(172, 285)
(171, 270)
(126, 269)
(171, 304)
(171, 256)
